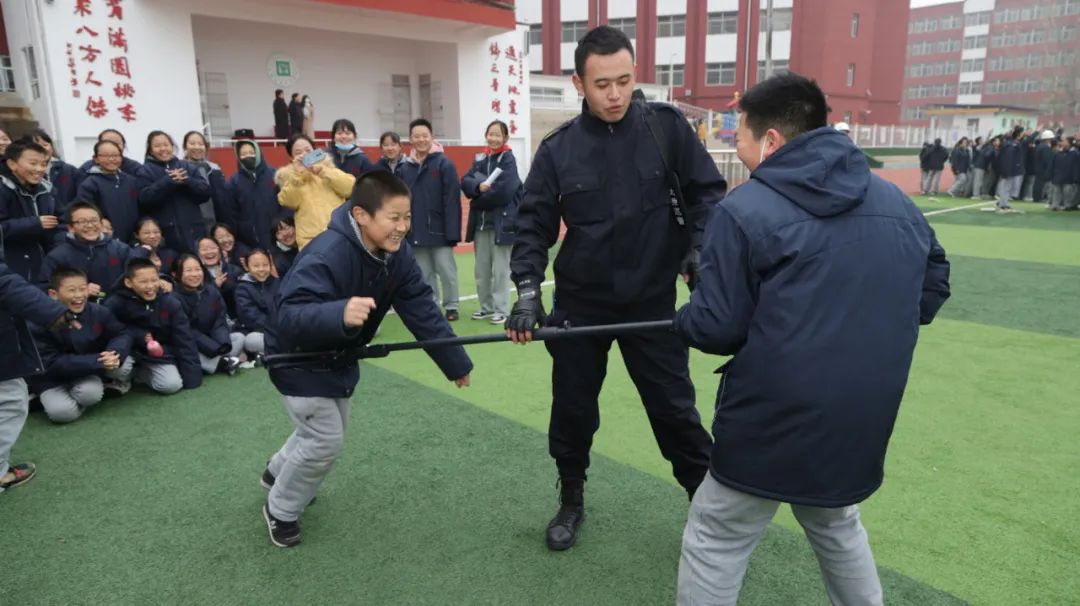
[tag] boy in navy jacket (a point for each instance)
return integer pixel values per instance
(76, 361)
(100, 258)
(156, 320)
(334, 298)
(29, 219)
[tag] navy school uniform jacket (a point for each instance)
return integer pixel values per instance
(1064, 168)
(127, 165)
(1044, 159)
(283, 258)
(355, 161)
(960, 160)
(117, 196)
(608, 183)
(102, 261)
(311, 300)
(499, 202)
(816, 276)
(175, 206)
(405, 169)
(255, 202)
(25, 241)
(984, 156)
(21, 301)
(73, 354)
(65, 181)
(1010, 160)
(220, 195)
(165, 319)
(205, 309)
(255, 303)
(436, 203)
(936, 157)
(228, 288)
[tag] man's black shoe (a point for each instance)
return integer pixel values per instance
(562, 530)
(282, 534)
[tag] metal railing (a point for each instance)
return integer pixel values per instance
(892, 135)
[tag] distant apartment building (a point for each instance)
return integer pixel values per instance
(705, 51)
(1009, 53)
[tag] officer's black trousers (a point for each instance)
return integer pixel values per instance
(658, 364)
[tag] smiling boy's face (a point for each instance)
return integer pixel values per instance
(144, 283)
(71, 293)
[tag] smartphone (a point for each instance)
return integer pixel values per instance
(313, 157)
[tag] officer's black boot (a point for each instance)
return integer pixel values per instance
(562, 530)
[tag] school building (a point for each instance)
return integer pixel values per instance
(78, 66)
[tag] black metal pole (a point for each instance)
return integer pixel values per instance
(542, 334)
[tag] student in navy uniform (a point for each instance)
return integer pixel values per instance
(233, 250)
(155, 316)
(1063, 177)
(393, 161)
(219, 209)
(1044, 169)
(960, 163)
(817, 282)
(219, 349)
(20, 302)
(115, 192)
(436, 208)
(127, 165)
(29, 219)
(255, 196)
(603, 174)
(284, 250)
(347, 155)
(100, 258)
(63, 176)
(255, 294)
(171, 192)
(1009, 164)
(220, 271)
(148, 236)
(492, 211)
(334, 298)
(77, 362)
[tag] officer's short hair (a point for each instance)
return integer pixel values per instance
(790, 103)
(373, 188)
(602, 40)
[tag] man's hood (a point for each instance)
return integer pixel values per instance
(821, 171)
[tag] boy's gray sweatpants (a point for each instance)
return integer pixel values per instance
(725, 525)
(14, 403)
(437, 264)
(65, 403)
(301, 465)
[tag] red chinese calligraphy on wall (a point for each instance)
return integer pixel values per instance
(96, 107)
(117, 38)
(82, 8)
(91, 24)
(116, 9)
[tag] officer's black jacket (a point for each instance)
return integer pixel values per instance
(608, 183)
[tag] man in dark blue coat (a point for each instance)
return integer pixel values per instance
(960, 161)
(29, 219)
(20, 301)
(436, 210)
(815, 275)
(603, 173)
(101, 258)
(1010, 169)
(254, 193)
(333, 299)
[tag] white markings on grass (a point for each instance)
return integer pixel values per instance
(955, 208)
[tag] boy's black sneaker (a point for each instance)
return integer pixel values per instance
(268, 479)
(21, 474)
(282, 534)
(452, 315)
(228, 365)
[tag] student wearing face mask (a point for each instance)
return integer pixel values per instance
(346, 153)
(219, 208)
(255, 196)
(107, 186)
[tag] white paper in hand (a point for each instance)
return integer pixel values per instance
(494, 175)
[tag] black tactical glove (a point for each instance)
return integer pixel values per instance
(689, 268)
(528, 311)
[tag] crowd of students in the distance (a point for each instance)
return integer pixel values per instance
(172, 269)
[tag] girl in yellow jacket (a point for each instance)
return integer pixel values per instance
(312, 192)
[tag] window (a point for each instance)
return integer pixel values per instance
(982, 18)
(572, 31)
(970, 88)
(627, 26)
(543, 94)
(720, 74)
(855, 25)
(723, 23)
(536, 34)
(975, 42)
(777, 67)
(781, 20)
(851, 74)
(32, 71)
(669, 75)
(972, 65)
(670, 26)
(847, 117)
(1031, 85)
(7, 75)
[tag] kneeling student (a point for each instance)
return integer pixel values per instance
(77, 360)
(205, 308)
(334, 298)
(163, 344)
(255, 294)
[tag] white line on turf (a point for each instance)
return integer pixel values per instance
(955, 208)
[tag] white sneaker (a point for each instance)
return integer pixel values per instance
(498, 318)
(481, 315)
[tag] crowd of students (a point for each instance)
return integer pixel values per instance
(172, 269)
(1027, 165)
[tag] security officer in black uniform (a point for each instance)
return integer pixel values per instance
(627, 241)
